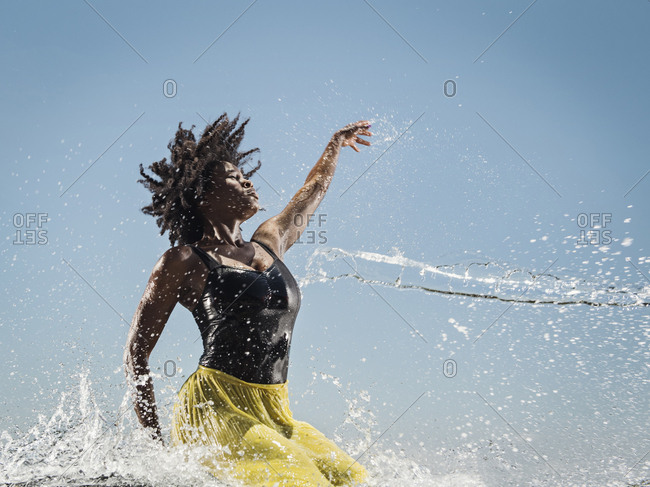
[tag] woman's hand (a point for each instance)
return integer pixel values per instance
(282, 230)
(156, 434)
(349, 135)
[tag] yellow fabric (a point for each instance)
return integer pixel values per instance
(249, 430)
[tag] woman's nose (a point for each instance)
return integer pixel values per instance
(247, 184)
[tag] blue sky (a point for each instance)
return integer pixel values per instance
(548, 123)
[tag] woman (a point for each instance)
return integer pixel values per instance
(244, 300)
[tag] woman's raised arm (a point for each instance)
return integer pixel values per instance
(285, 228)
(157, 303)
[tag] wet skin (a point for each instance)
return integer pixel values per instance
(180, 276)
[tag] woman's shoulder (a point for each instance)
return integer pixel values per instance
(178, 259)
(267, 235)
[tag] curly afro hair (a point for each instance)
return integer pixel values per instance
(184, 180)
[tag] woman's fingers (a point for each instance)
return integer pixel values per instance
(351, 143)
(361, 141)
(362, 128)
(351, 132)
(360, 125)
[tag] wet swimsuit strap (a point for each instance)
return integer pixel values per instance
(210, 261)
(266, 247)
(203, 255)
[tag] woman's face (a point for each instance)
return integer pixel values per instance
(230, 193)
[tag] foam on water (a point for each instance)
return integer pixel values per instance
(82, 443)
(79, 445)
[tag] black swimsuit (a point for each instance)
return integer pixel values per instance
(246, 319)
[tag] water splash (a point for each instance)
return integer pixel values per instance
(80, 445)
(483, 280)
(387, 462)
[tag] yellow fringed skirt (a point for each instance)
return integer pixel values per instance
(250, 431)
